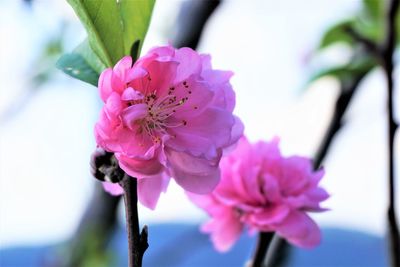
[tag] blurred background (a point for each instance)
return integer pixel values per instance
(274, 48)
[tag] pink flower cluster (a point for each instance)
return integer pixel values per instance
(170, 114)
(263, 191)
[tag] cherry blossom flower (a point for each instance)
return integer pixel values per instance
(263, 191)
(170, 114)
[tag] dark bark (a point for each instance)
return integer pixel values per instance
(137, 242)
(191, 21)
(190, 24)
(264, 241)
(388, 66)
(280, 248)
(384, 55)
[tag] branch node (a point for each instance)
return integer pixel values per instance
(143, 244)
(371, 47)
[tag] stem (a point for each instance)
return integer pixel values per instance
(191, 21)
(384, 55)
(137, 242)
(280, 248)
(387, 62)
(342, 103)
(264, 240)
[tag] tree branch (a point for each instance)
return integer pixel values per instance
(105, 167)
(137, 242)
(279, 248)
(388, 66)
(191, 21)
(370, 46)
(264, 241)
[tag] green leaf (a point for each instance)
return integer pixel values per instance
(398, 27)
(336, 71)
(102, 21)
(76, 66)
(136, 17)
(370, 20)
(82, 64)
(115, 29)
(337, 34)
(359, 65)
(374, 9)
(90, 57)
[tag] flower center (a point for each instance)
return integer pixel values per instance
(160, 109)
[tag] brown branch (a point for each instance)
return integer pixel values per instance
(388, 66)
(191, 21)
(384, 55)
(137, 241)
(369, 45)
(264, 241)
(104, 167)
(280, 248)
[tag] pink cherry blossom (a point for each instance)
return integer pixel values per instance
(263, 191)
(170, 114)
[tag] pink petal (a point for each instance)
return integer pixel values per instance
(232, 188)
(136, 145)
(150, 188)
(189, 63)
(167, 50)
(118, 84)
(113, 105)
(251, 183)
(271, 188)
(225, 231)
(316, 177)
(269, 151)
(122, 67)
(162, 75)
(132, 114)
(217, 77)
(300, 230)
(296, 174)
(105, 85)
(207, 202)
(215, 124)
(135, 74)
(218, 81)
(269, 215)
(183, 142)
(196, 183)
(139, 168)
(199, 97)
(317, 194)
(113, 188)
(229, 98)
(205, 61)
(196, 175)
(130, 94)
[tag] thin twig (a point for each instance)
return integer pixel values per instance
(279, 248)
(387, 64)
(264, 241)
(191, 20)
(137, 242)
(370, 45)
